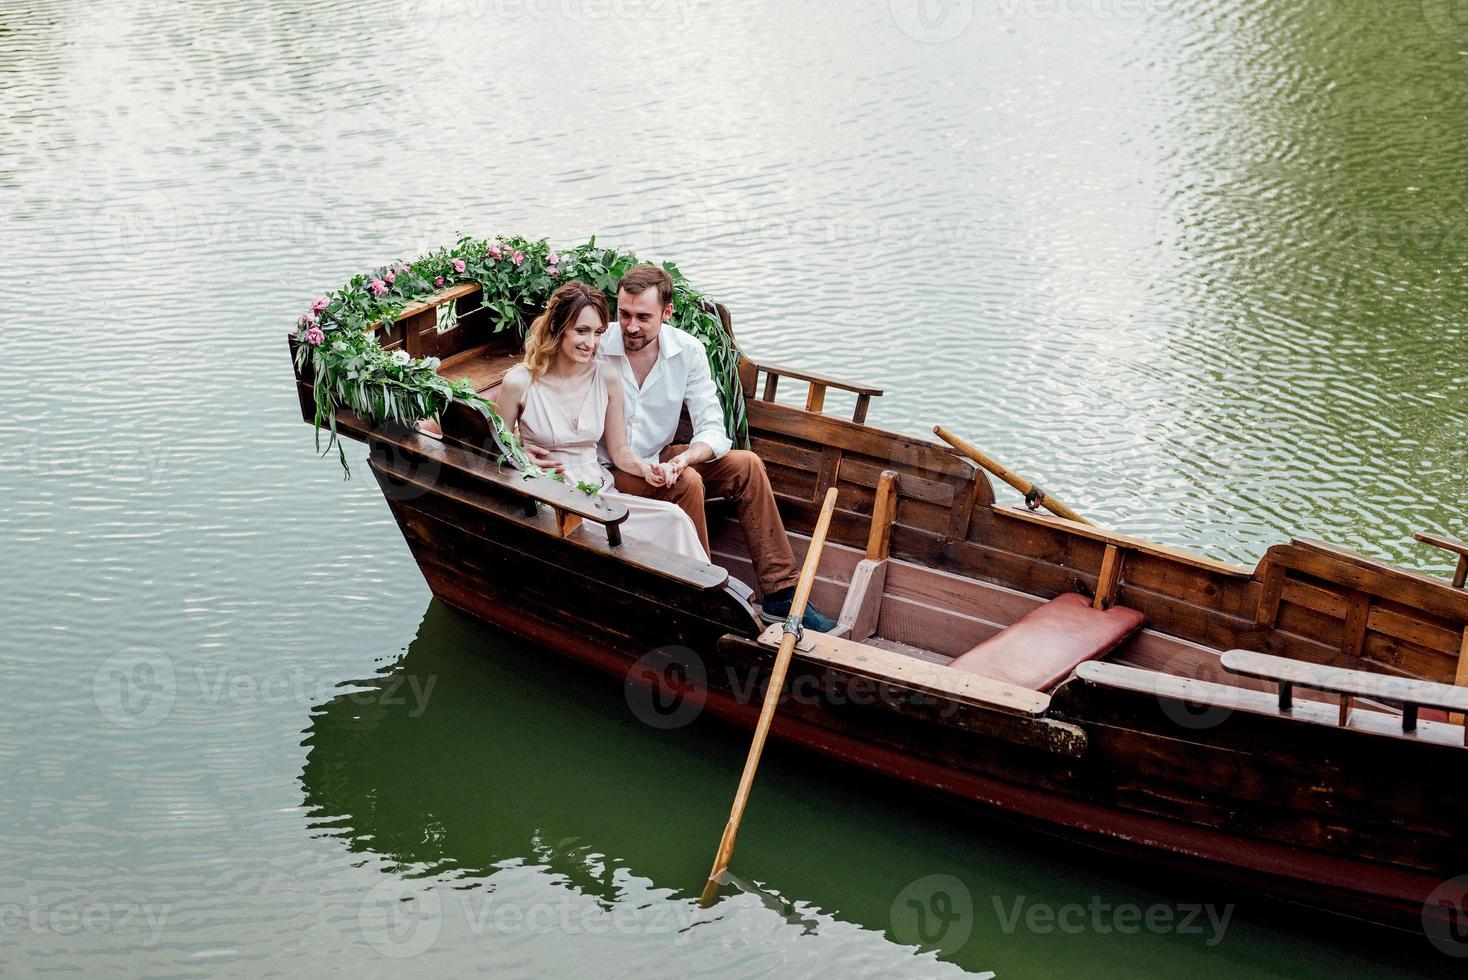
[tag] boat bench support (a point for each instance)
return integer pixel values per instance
(1459, 548)
(815, 399)
(863, 605)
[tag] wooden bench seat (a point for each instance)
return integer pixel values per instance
(483, 366)
(1162, 687)
(1413, 695)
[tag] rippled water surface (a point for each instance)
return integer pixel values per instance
(1196, 266)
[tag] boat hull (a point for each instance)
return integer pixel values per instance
(1095, 771)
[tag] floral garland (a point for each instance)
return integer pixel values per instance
(516, 277)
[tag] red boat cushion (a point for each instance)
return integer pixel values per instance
(1040, 649)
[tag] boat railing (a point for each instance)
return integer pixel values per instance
(815, 399)
(1410, 693)
(1453, 545)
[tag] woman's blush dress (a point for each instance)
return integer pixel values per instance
(571, 440)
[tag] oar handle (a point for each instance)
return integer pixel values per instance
(1007, 475)
(772, 692)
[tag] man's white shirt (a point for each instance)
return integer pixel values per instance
(679, 377)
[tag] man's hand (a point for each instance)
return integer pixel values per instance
(542, 458)
(696, 453)
(675, 466)
(658, 475)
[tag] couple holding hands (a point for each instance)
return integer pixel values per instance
(601, 401)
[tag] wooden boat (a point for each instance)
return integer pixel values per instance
(1295, 728)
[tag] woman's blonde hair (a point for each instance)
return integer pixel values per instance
(564, 309)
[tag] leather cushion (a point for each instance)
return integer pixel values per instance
(1040, 649)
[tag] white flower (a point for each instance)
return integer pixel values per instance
(401, 358)
(430, 363)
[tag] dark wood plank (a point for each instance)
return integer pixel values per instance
(1353, 634)
(1347, 568)
(1124, 541)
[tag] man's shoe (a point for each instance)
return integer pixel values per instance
(776, 609)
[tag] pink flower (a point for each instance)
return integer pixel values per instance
(553, 270)
(552, 259)
(306, 320)
(314, 336)
(458, 265)
(389, 278)
(518, 257)
(495, 252)
(319, 305)
(438, 281)
(377, 286)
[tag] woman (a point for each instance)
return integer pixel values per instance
(563, 399)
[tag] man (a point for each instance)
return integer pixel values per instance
(665, 369)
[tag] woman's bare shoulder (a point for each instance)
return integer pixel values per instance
(517, 378)
(514, 384)
(611, 371)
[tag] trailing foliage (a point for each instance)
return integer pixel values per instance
(516, 278)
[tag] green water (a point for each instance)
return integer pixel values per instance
(1197, 267)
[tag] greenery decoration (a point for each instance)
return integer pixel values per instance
(516, 277)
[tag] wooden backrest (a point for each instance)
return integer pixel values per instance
(1368, 614)
(805, 454)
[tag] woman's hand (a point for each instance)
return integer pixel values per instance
(543, 458)
(657, 474)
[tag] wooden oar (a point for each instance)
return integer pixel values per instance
(1031, 492)
(772, 694)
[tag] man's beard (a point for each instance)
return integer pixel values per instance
(636, 344)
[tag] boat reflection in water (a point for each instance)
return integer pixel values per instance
(476, 758)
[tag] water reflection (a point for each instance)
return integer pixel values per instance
(474, 762)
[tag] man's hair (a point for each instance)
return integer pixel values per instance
(640, 278)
